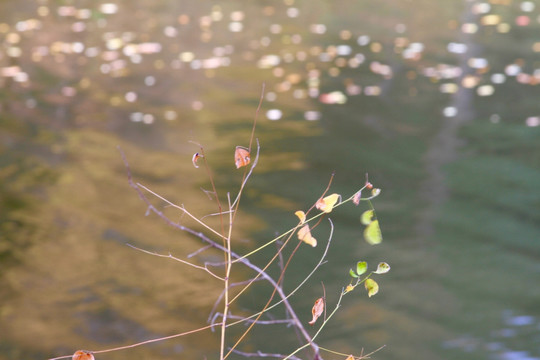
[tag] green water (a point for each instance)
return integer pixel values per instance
(459, 202)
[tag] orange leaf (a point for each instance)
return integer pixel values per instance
(327, 204)
(304, 234)
(317, 310)
(241, 157)
(350, 357)
(82, 355)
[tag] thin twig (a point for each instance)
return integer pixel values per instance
(324, 192)
(143, 342)
(211, 178)
(197, 252)
(361, 357)
(256, 116)
(177, 259)
(324, 299)
(228, 266)
(261, 354)
(261, 322)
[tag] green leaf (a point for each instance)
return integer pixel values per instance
(372, 233)
(366, 217)
(352, 273)
(382, 268)
(361, 267)
(372, 287)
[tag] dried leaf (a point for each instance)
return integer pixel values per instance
(349, 288)
(241, 157)
(350, 357)
(357, 197)
(317, 310)
(82, 355)
(304, 234)
(326, 204)
(194, 159)
(382, 268)
(301, 215)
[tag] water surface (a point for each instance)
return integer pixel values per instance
(436, 100)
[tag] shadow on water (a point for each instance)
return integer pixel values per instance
(436, 100)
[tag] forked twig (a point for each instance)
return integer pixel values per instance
(152, 208)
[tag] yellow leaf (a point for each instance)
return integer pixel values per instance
(326, 204)
(304, 234)
(349, 288)
(372, 287)
(301, 215)
(372, 233)
(350, 357)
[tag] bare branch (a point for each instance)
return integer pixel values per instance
(214, 244)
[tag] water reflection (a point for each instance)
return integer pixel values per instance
(437, 100)
(503, 343)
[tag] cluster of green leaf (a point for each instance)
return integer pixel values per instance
(371, 285)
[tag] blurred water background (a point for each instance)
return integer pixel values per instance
(439, 101)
